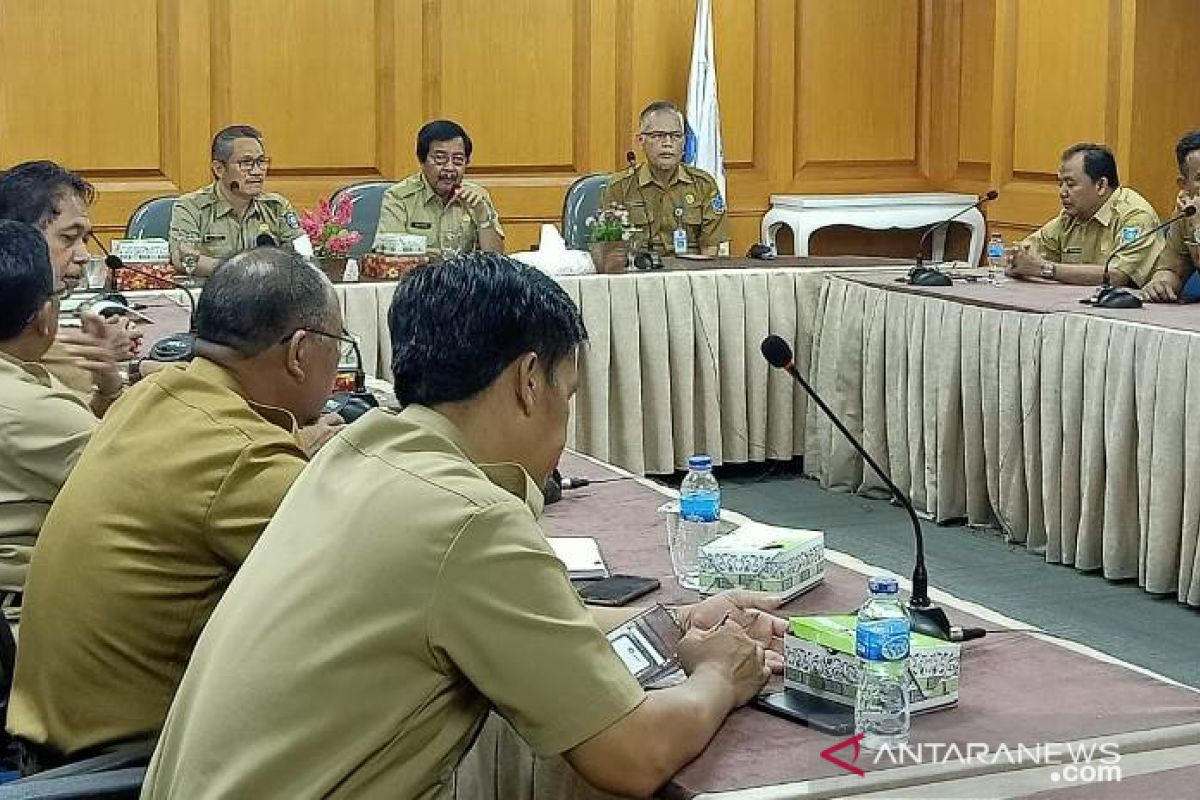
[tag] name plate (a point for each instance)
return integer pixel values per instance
(142, 251)
(400, 244)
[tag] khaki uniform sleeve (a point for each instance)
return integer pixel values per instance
(612, 192)
(288, 225)
(249, 496)
(1137, 262)
(504, 614)
(713, 228)
(495, 214)
(393, 217)
(49, 438)
(1175, 256)
(185, 229)
(1047, 240)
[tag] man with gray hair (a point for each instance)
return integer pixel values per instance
(167, 500)
(233, 212)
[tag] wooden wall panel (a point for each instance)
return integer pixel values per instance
(1061, 78)
(857, 101)
(817, 96)
(303, 72)
(88, 93)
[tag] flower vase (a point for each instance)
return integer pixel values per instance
(610, 258)
(334, 267)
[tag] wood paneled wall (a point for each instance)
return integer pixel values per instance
(818, 96)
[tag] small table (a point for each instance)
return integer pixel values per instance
(807, 213)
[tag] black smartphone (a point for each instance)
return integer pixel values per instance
(836, 719)
(617, 590)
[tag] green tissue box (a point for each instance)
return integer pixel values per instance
(820, 660)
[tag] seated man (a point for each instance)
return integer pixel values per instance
(454, 216)
(55, 201)
(664, 195)
(168, 498)
(405, 588)
(43, 425)
(1098, 216)
(1180, 255)
(233, 212)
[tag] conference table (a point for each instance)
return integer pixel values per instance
(1012, 406)
(1068, 427)
(1018, 688)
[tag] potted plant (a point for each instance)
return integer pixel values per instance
(608, 239)
(331, 239)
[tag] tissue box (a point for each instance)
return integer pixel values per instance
(152, 256)
(820, 660)
(164, 277)
(383, 267)
(763, 558)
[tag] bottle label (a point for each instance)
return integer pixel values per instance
(681, 242)
(700, 507)
(995, 249)
(882, 639)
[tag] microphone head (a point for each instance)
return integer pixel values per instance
(235, 186)
(1189, 211)
(992, 194)
(630, 158)
(113, 262)
(777, 352)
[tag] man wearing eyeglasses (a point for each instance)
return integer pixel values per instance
(231, 213)
(452, 215)
(166, 502)
(678, 209)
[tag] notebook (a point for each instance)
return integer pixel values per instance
(581, 555)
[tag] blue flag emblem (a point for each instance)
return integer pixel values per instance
(689, 145)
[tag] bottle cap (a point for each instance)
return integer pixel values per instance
(700, 462)
(883, 584)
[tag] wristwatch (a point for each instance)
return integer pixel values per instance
(490, 222)
(1048, 269)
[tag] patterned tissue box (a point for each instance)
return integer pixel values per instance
(819, 659)
(763, 558)
(386, 267)
(131, 281)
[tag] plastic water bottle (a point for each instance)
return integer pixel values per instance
(882, 637)
(699, 515)
(995, 258)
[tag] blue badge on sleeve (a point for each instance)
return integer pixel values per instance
(718, 204)
(290, 219)
(1129, 233)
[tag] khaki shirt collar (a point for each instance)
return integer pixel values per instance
(1105, 213)
(509, 476)
(212, 372)
(27, 371)
(222, 207)
(644, 177)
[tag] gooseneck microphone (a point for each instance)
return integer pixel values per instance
(264, 238)
(926, 618)
(920, 275)
(1109, 296)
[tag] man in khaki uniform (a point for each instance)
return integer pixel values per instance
(1180, 255)
(454, 216)
(169, 496)
(1099, 216)
(664, 195)
(233, 212)
(43, 425)
(404, 588)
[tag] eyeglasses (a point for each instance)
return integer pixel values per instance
(247, 164)
(658, 137)
(349, 345)
(442, 159)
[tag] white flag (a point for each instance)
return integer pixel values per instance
(703, 147)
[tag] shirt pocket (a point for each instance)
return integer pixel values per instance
(1074, 255)
(215, 245)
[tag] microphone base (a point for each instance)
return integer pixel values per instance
(1113, 297)
(930, 620)
(926, 276)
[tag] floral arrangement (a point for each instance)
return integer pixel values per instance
(326, 228)
(610, 225)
